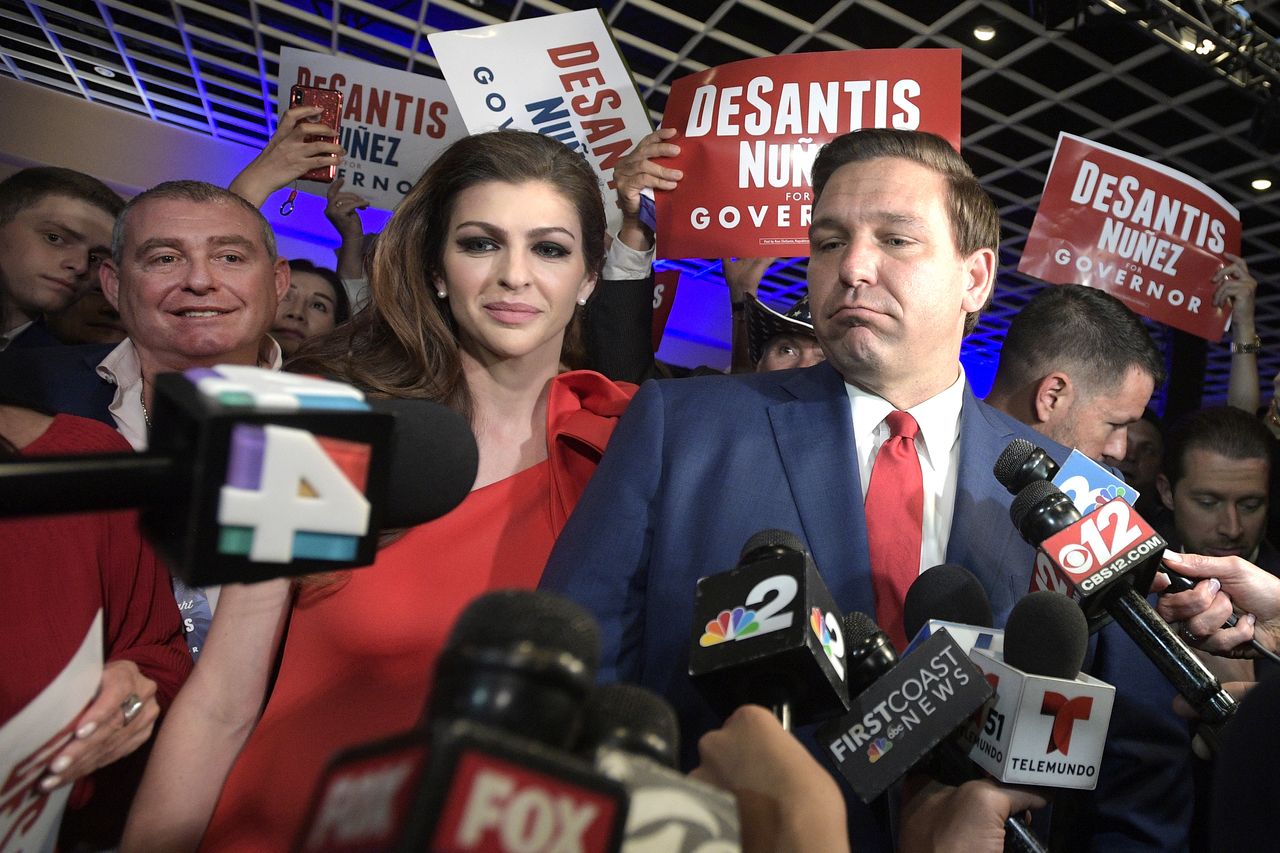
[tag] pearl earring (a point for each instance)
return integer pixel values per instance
(440, 294)
(582, 301)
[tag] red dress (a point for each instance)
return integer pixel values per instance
(359, 658)
(56, 572)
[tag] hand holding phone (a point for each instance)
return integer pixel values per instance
(330, 102)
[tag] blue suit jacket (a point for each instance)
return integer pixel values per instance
(696, 466)
(58, 379)
(35, 335)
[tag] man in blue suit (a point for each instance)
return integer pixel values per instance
(903, 256)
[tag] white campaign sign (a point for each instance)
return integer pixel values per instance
(561, 75)
(394, 123)
(29, 819)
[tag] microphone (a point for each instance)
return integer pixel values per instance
(519, 660)
(1099, 559)
(253, 474)
(1021, 463)
(632, 719)
(954, 594)
(900, 709)
(632, 735)
(1048, 725)
(1088, 484)
(949, 596)
(488, 769)
(768, 632)
(506, 708)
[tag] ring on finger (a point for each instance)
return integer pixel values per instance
(130, 707)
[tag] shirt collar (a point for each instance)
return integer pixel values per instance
(938, 417)
(121, 366)
(12, 335)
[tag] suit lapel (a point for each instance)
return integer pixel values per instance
(983, 539)
(814, 435)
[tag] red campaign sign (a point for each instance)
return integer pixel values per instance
(1147, 234)
(664, 296)
(749, 132)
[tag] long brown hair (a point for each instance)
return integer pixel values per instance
(404, 344)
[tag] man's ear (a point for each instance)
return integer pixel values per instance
(283, 276)
(1053, 395)
(980, 278)
(109, 278)
(1165, 488)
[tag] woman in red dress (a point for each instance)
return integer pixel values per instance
(475, 284)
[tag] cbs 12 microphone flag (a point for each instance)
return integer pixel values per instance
(1149, 235)
(749, 132)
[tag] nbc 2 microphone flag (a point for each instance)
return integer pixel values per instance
(1089, 485)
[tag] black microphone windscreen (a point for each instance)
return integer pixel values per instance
(633, 719)
(858, 628)
(1047, 634)
(947, 592)
(1011, 459)
(1031, 494)
(868, 652)
(771, 541)
(433, 461)
(509, 618)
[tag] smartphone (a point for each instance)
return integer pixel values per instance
(330, 100)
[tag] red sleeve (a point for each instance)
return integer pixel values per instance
(142, 620)
(141, 625)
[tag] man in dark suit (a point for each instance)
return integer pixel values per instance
(1080, 367)
(903, 257)
(55, 227)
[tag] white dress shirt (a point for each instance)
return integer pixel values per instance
(122, 369)
(623, 263)
(937, 445)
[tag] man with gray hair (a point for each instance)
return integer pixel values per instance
(195, 276)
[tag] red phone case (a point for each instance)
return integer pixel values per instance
(330, 100)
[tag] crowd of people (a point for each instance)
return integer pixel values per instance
(495, 290)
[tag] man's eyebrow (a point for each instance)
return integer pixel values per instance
(177, 243)
(829, 223)
(156, 243)
(231, 240)
(904, 219)
(61, 226)
(885, 217)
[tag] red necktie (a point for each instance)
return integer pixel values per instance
(895, 518)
